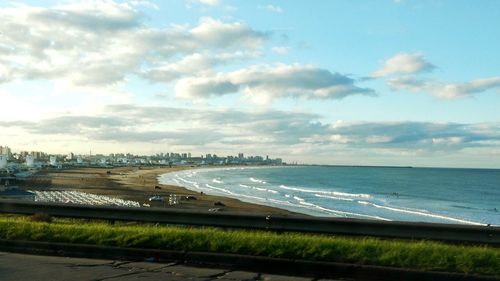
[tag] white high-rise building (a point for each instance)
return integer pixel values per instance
(53, 160)
(3, 161)
(5, 150)
(30, 161)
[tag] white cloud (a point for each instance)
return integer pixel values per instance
(208, 2)
(281, 50)
(218, 33)
(404, 63)
(144, 3)
(272, 8)
(266, 82)
(194, 64)
(446, 90)
(101, 42)
(269, 130)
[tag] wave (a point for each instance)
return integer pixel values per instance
(217, 181)
(185, 180)
(420, 213)
(237, 195)
(218, 188)
(298, 198)
(259, 188)
(345, 194)
(338, 212)
(257, 180)
(333, 197)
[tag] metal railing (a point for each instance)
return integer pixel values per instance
(392, 229)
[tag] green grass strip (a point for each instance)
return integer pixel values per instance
(425, 255)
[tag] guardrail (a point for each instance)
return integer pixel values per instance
(391, 229)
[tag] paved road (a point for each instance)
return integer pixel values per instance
(15, 267)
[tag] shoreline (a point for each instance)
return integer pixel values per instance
(140, 183)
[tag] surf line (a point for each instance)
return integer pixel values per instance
(420, 213)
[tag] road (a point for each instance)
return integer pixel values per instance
(14, 267)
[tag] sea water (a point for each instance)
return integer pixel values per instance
(461, 196)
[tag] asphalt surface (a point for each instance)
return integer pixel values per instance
(14, 267)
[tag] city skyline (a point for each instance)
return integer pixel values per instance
(7, 151)
(39, 159)
(392, 83)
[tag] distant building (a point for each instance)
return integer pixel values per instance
(53, 160)
(3, 161)
(30, 161)
(5, 150)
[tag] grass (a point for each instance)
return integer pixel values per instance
(424, 255)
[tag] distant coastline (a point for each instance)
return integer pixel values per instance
(401, 167)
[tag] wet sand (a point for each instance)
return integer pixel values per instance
(139, 184)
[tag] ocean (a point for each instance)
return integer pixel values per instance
(460, 196)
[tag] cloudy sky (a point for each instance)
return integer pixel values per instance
(331, 82)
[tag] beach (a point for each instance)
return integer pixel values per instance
(139, 184)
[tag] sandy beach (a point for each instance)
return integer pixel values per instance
(139, 184)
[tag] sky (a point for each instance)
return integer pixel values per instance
(404, 83)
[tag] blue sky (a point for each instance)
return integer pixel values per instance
(334, 82)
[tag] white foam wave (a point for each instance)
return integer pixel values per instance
(336, 193)
(419, 213)
(333, 197)
(257, 180)
(281, 202)
(185, 180)
(349, 214)
(298, 198)
(217, 181)
(337, 212)
(251, 197)
(259, 188)
(237, 195)
(218, 188)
